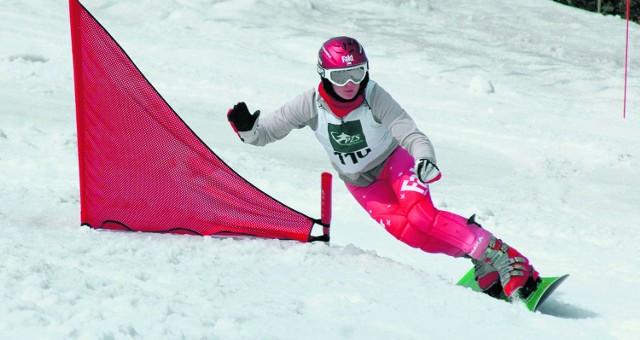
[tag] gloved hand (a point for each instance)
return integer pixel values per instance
(426, 171)
(240, 118)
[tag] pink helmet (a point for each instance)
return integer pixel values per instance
(340, 52)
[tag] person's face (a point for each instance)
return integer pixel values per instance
(347, 91)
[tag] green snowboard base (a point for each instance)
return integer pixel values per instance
(534, 301)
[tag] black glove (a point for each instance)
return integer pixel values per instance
(240, 117)
(426, 171)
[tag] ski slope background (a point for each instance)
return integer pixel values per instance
(522, 100)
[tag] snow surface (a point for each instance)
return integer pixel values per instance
(522, 99)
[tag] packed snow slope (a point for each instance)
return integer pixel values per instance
(522, 99)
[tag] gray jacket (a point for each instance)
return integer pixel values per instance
(357, 144)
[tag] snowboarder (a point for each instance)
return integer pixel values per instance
(387, 164)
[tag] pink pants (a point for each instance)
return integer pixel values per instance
(400, 203)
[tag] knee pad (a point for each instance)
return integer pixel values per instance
(436, 231)
(422, 215)
(444, 228)
(461, 233)
(417, 238)
(417, 231)
(412, 236)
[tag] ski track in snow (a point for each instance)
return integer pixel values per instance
(545, 160)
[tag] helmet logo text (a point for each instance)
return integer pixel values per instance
(347, 59)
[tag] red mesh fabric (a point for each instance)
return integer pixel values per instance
(141, 166)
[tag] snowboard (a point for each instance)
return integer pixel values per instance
(534, 301)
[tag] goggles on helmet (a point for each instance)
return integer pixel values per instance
(341, 76)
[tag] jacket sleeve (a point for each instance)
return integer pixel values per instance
(295, 114)
(389, 113)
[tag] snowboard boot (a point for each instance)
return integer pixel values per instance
(516, 274)
(487, 277)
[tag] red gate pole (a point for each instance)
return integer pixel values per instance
(326, 183)
(626, 62)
